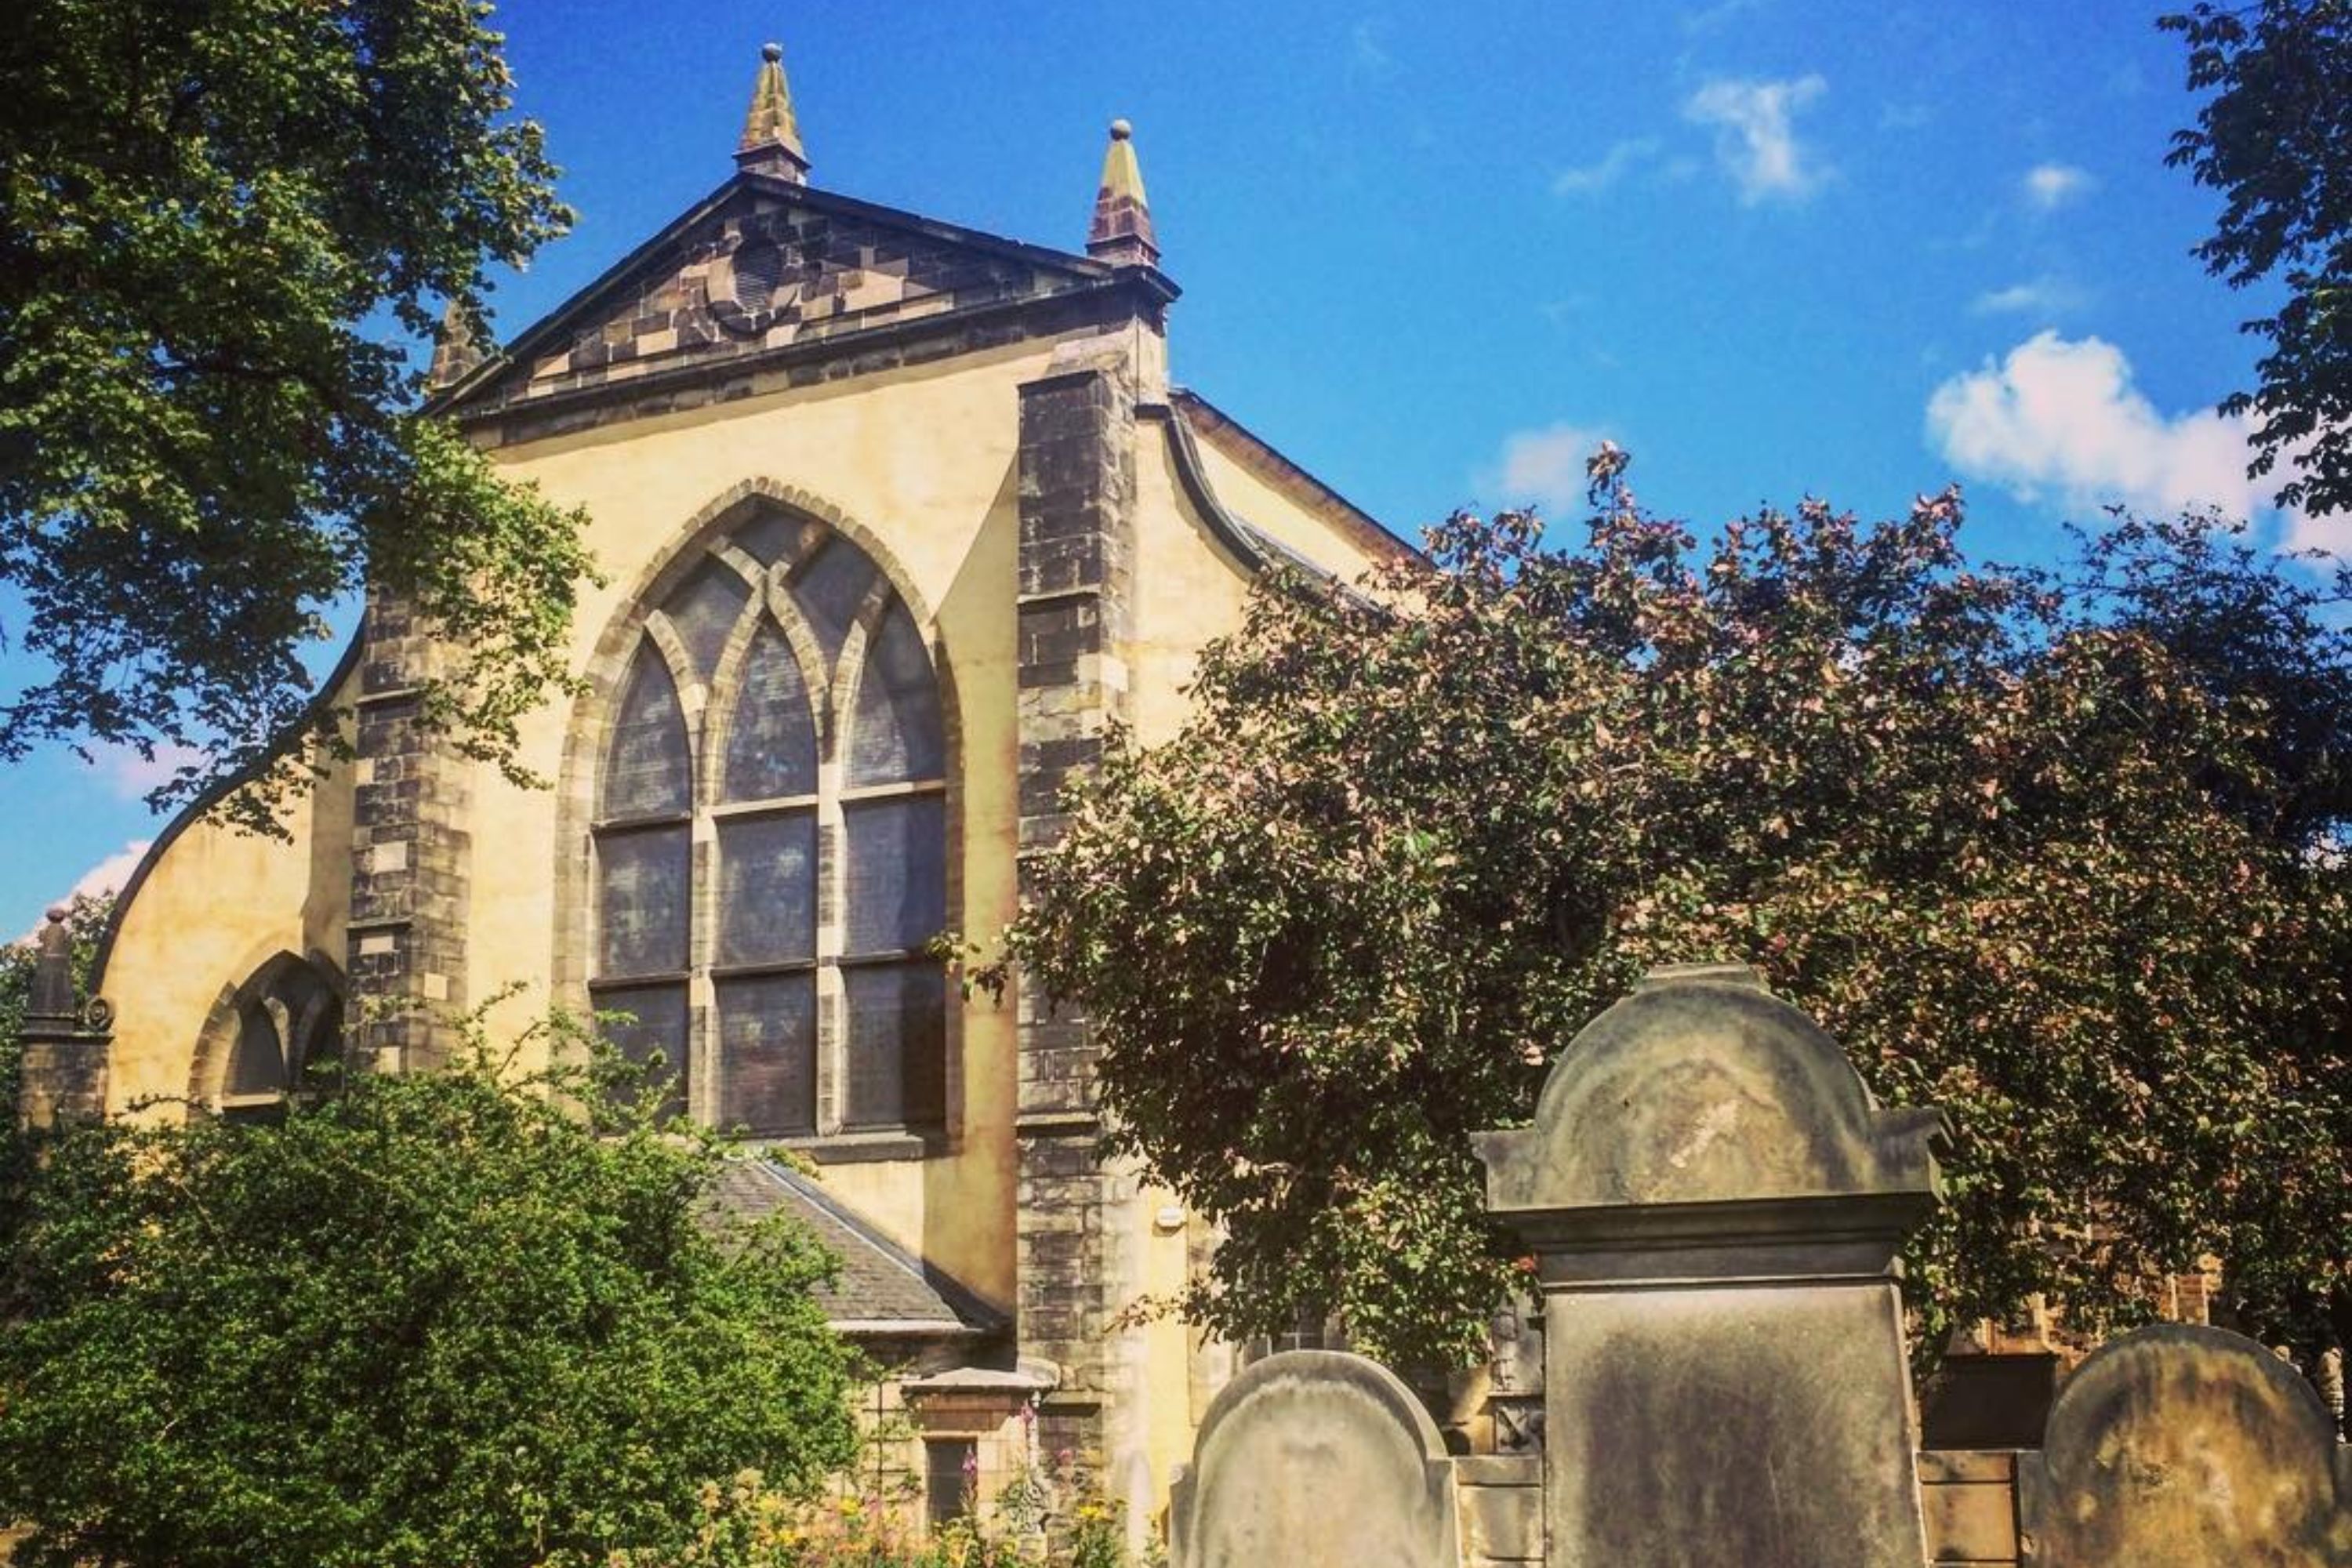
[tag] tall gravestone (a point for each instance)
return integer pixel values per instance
(1714, 1206)
(2182, 1448)
(61, 1043)
(1316, 1459)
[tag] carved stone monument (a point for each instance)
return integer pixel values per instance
(1714, 1206)
(2180, 1447)
(63, 1067)
(1316, 1459)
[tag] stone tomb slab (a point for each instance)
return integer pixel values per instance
(1744, 1424)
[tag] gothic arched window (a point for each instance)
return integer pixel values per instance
(289, 1032)
(770, 841)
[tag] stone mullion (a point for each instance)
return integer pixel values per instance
(832, 906)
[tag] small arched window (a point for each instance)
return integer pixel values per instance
(289, 1035)
(770, 842)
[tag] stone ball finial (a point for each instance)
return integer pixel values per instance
(771, 53)
(1120, 130)
(57, 913)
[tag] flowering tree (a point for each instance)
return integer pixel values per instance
(2052, 852)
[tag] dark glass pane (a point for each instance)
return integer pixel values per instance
(767, 889)
(319, 1041)
(258, 1064)
(642, 902)
(949, 1473)
(829, 592)
(657, 1025)
(768, 538)
(767, 1054)
(895, 877)
(895, 734)
(771, 749)
(705, 609)
(302, 989)
(646, 772)
(896, 1045)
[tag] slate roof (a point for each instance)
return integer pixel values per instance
(884, 1291)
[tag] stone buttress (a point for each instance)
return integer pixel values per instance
(411, 852)
(1079, 1219)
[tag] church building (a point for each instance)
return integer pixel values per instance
(898, 520)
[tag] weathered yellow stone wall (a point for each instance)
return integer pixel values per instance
(923, 461)
(1252, 485)
(1188, 586)
(212, 907)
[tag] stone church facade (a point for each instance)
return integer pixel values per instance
(898, 520)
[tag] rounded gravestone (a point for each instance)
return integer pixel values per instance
(1702, 1086)
(2179, 1447)
(1316, 1459)
(1714, 1206)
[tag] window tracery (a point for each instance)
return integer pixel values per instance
(770, 841)
(289, 1022)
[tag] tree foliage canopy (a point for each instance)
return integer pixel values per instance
(426, 1320)
(2275, 138)
(218, 225)
(2050, 853)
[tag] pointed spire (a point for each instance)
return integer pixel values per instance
(1121, 233)
(771, 136)
(455, 351)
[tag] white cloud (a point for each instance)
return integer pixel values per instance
(1710, 18)
(1368, 58)
(2332, 534)
(109, 875)
(131, 775)
(103, 879)
(1755, 141)
(1546, 467)
(1613, 166)
(2043, 296)
(2050, 187)
(2061, 418)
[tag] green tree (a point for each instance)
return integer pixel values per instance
(2275, 139)
(441, 1318)
(222, 224)
(2024, 861)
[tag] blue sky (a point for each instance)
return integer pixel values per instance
(1774, 248)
